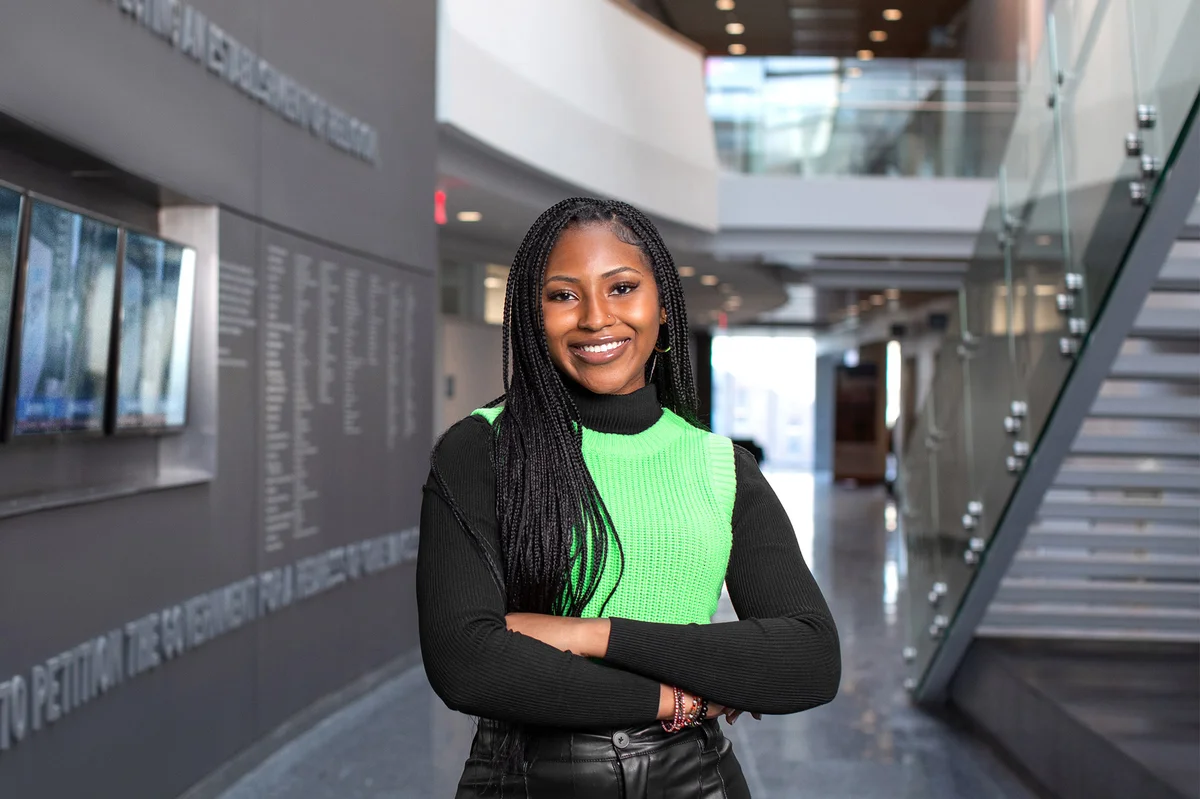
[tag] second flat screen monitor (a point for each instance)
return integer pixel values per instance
(66, 324)
(157, 282)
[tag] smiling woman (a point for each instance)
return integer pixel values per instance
(601, 310)
(576, 534)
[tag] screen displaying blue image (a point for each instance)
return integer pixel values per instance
(66, 325)
(157, 286)
(10, 225)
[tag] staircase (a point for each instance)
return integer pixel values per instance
(1085, 667)
(1114, 553)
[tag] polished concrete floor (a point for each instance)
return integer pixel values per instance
(400, 741)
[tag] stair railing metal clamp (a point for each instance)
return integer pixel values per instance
(936, 592)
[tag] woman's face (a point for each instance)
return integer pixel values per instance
(601, 310)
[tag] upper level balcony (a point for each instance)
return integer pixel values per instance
(816, 117)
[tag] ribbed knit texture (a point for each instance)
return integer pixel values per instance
(782, 657)
(669, 491)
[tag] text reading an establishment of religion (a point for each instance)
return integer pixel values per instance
(68, 681)
(207, 44)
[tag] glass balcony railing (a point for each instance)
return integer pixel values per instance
(1114, 87)
(817, 117)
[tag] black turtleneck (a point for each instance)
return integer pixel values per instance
(782, 657)
(625, 414)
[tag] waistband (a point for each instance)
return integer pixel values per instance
(547, 744)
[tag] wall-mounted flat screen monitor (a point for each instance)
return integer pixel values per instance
(157, 286)
(65, 331)
(10, 226)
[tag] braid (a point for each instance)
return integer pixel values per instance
(554, 529)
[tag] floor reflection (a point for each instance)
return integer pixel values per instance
(400, 741)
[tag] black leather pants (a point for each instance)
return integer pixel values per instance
(638, 763)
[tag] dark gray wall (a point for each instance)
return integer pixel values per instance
(87, 72)
(82, 72)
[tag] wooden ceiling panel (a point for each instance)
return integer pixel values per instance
(820, 27)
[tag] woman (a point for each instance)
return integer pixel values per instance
(575, 536)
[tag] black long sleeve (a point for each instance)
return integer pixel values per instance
(783, 656)
(471, 659)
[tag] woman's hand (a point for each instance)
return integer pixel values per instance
(583, 637)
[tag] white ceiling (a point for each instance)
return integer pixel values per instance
(509, 197)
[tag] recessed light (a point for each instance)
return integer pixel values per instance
(877, 299)
(687, 271)
(878, 36)
(735, 29)
(854, 72)
(892, 14)
(725, 5)
(737, 49)
(892, 294)
(709, 280)
(493, 282)
(1043, 240)
(866, 55)
(469, 216)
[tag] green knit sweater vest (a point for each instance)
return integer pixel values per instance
(670, 491)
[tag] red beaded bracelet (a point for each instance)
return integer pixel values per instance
(691, 718)
(680, 720)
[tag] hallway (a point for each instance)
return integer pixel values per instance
(399, 741)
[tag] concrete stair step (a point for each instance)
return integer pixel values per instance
(1073, 591)
(1182, 510)
(1070, 564)
(1157, 367)
(1174, 478)
(1180, 446)
(1146, 408)
(1157, 540)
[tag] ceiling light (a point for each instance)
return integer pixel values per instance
(709, 280)
(878, 36)
(1043, 240)
(469, 216)
(866, 55)
(737, 49)
(735, 29)
(725, 5)
(892, 294)
(493, 282)
(890, 14)
(854, 72)
(687, 271)
(877, 299)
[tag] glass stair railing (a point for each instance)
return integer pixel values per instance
(1101, 169)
